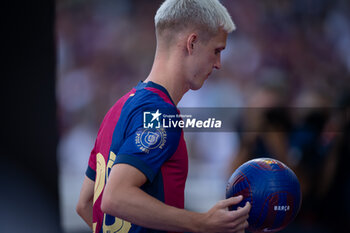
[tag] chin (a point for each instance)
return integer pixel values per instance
(196, 86)
(197, 81)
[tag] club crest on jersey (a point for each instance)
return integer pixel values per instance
(149, 139)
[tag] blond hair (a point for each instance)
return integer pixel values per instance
(206, 15)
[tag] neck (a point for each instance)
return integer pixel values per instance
(168, 74)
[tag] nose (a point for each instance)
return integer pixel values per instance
(217, 64)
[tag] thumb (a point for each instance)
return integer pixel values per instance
(232, 201)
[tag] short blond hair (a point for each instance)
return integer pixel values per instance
(205, 15)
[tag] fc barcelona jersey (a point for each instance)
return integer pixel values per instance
(130, 134)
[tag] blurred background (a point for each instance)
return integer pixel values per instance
(284, 53)
(69, 61)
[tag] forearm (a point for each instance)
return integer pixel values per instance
(85, 212)
(124, 199)
(84, 206)
(138, 207)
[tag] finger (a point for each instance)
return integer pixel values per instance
(237, 221)
(231, 201)
(236, 225)
(243, 211)
(238, 214)
(241, 227)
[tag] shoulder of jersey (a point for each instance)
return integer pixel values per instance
(148, 97)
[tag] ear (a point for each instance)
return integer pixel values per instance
(191, 40)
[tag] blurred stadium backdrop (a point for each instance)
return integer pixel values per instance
(68, 61)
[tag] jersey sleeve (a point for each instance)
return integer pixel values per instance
(91, 169)
(145, 147)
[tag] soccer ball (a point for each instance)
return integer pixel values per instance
(273, 191)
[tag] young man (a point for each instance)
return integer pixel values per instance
(136, 176)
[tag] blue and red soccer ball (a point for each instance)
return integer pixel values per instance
(273, 191)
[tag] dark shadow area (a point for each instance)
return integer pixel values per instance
(29, 191)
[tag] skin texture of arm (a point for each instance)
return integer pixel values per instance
(124, 199)
(84, 206)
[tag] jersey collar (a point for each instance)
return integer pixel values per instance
(142, 85)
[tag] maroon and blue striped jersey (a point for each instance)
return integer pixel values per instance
(126, 136)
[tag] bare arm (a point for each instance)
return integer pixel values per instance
(124, 199)
(84, 206)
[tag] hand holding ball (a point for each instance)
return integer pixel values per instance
(273, 191)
